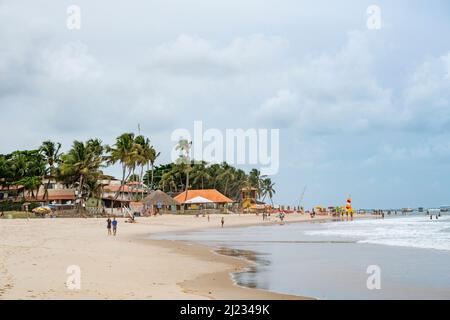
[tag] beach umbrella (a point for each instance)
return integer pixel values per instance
(42, 210)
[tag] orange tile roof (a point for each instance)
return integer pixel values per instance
(53, 194)
(210, 194)
(10, 188)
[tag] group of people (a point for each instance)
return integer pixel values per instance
(111, 224)
(265, 216)
(222, 221)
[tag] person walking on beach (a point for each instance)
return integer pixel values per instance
(108, 226)
(222, 221)
(208, 217)
(114, 226)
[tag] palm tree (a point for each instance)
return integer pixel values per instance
(200, 174)
(142, 146)
(239, 182)
(168, 179)
(81, 165)
(153, 155)
(5, 171)
(254, 179)
(226, 175)
(214, 171)
(125, 152)
(146, 156)
(26, 167)
(184, 146)
(267, 189)
(50, 151)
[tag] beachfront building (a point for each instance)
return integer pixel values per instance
(203, 199)
(11, 193)
(53, 196)
(115, 195)
(57, 193)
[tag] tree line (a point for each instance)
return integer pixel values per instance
(81, 168)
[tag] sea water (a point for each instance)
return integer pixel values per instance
(334, 260)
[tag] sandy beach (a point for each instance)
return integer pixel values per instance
(36, 253)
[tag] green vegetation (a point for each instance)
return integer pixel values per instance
(173, 177)
(81, 168)
(18, 215)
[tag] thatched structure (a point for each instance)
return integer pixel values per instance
(159, 198)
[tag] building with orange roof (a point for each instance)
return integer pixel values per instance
(206, 196)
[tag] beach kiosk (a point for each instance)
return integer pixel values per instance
(158, 202)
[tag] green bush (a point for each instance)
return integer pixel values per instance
(16, 206)
(18, 215)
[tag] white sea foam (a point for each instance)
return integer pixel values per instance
(413, 231)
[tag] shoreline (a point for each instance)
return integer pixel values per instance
(35, 253)
(223, 280)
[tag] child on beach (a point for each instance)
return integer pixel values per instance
(222, 221)
(114, 226)
(108, 226)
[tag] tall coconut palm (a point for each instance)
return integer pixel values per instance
(184, 146)
(200, 174)
(124, 151)
(240, 181)
(168, 180)
(81, 164)
(226, 176)
(254, 179)
(50, 151)
(153, 155)
(142, 146)
(268, 189)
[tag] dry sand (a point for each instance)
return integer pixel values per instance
(35, 255)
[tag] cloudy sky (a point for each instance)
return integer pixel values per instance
(361, 112)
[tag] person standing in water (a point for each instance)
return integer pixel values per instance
(114, 226)
(222, 221)
(108, 226)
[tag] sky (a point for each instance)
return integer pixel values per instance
(361, 111)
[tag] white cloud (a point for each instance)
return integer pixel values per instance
(69, 62)
(427, 95)
(334, 92)
(194, 56)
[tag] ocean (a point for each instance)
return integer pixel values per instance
(408, 257)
